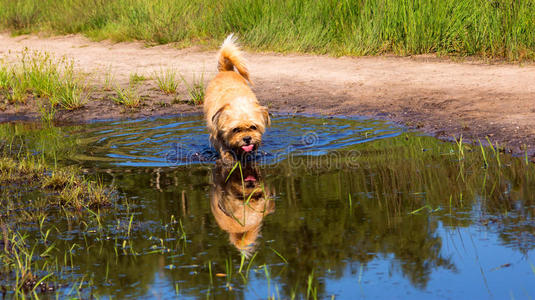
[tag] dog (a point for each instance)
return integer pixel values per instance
(239, 204)
(235, 119)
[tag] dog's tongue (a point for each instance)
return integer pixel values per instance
(250, 178)
(247, 148)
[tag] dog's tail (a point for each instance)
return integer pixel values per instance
(229, 56)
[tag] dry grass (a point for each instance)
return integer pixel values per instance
(70, 189)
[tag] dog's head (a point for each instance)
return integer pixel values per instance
(241, 126)
(239, 205)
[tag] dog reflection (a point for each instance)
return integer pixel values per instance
(239, 204)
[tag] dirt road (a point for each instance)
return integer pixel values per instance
(438, 96)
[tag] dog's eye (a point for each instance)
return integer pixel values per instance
(252, 127)
(235, 130)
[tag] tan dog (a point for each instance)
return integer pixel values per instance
(239, 205)
(235, 119)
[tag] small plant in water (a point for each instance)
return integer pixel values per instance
(73, 190)
(312, 291)
(47, 112)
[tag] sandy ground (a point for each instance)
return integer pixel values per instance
(438, 96)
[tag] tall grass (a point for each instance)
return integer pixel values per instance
(490, 28)
(39, 75)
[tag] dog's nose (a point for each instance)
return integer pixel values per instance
(247, 139)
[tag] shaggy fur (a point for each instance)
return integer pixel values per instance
(227, 201)
(235, 119)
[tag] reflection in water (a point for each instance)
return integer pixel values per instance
(239, 201)
(409, 217)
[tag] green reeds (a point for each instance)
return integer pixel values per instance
(484, 155)
(279, 255)
(498, 29)
(312, 291)
(249, 265)
(19, 257)
(38, 75)
(228, 269)
(495, 151)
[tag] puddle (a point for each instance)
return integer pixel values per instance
(345, 207)
(172, 142)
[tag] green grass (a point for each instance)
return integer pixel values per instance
(128, 96)
(18, 257)
(195, 89)
(136, 78)
(167, 81)
(70, 188)
(37, 75)
(109, 79)
(28, 164)
(489, 28)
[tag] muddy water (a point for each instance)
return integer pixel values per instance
(345, 207)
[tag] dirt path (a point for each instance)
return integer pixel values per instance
(438, 96)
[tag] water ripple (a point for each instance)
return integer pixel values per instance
(180, 141)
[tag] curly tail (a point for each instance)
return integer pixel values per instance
(229, 56)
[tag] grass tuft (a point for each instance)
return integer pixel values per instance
(38, 75)
(167, 81)
(128, 96)
(136, 78)
(109, 79)
(195, 89)
(74, 191)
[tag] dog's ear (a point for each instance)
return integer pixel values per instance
(215, 117)
(265, 112)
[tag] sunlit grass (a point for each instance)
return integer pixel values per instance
(500, 29)
(136, 78)
(38, 75)
(195, 89)
(18, 257)
(167, 80)
(128, 96)
(109, 79)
